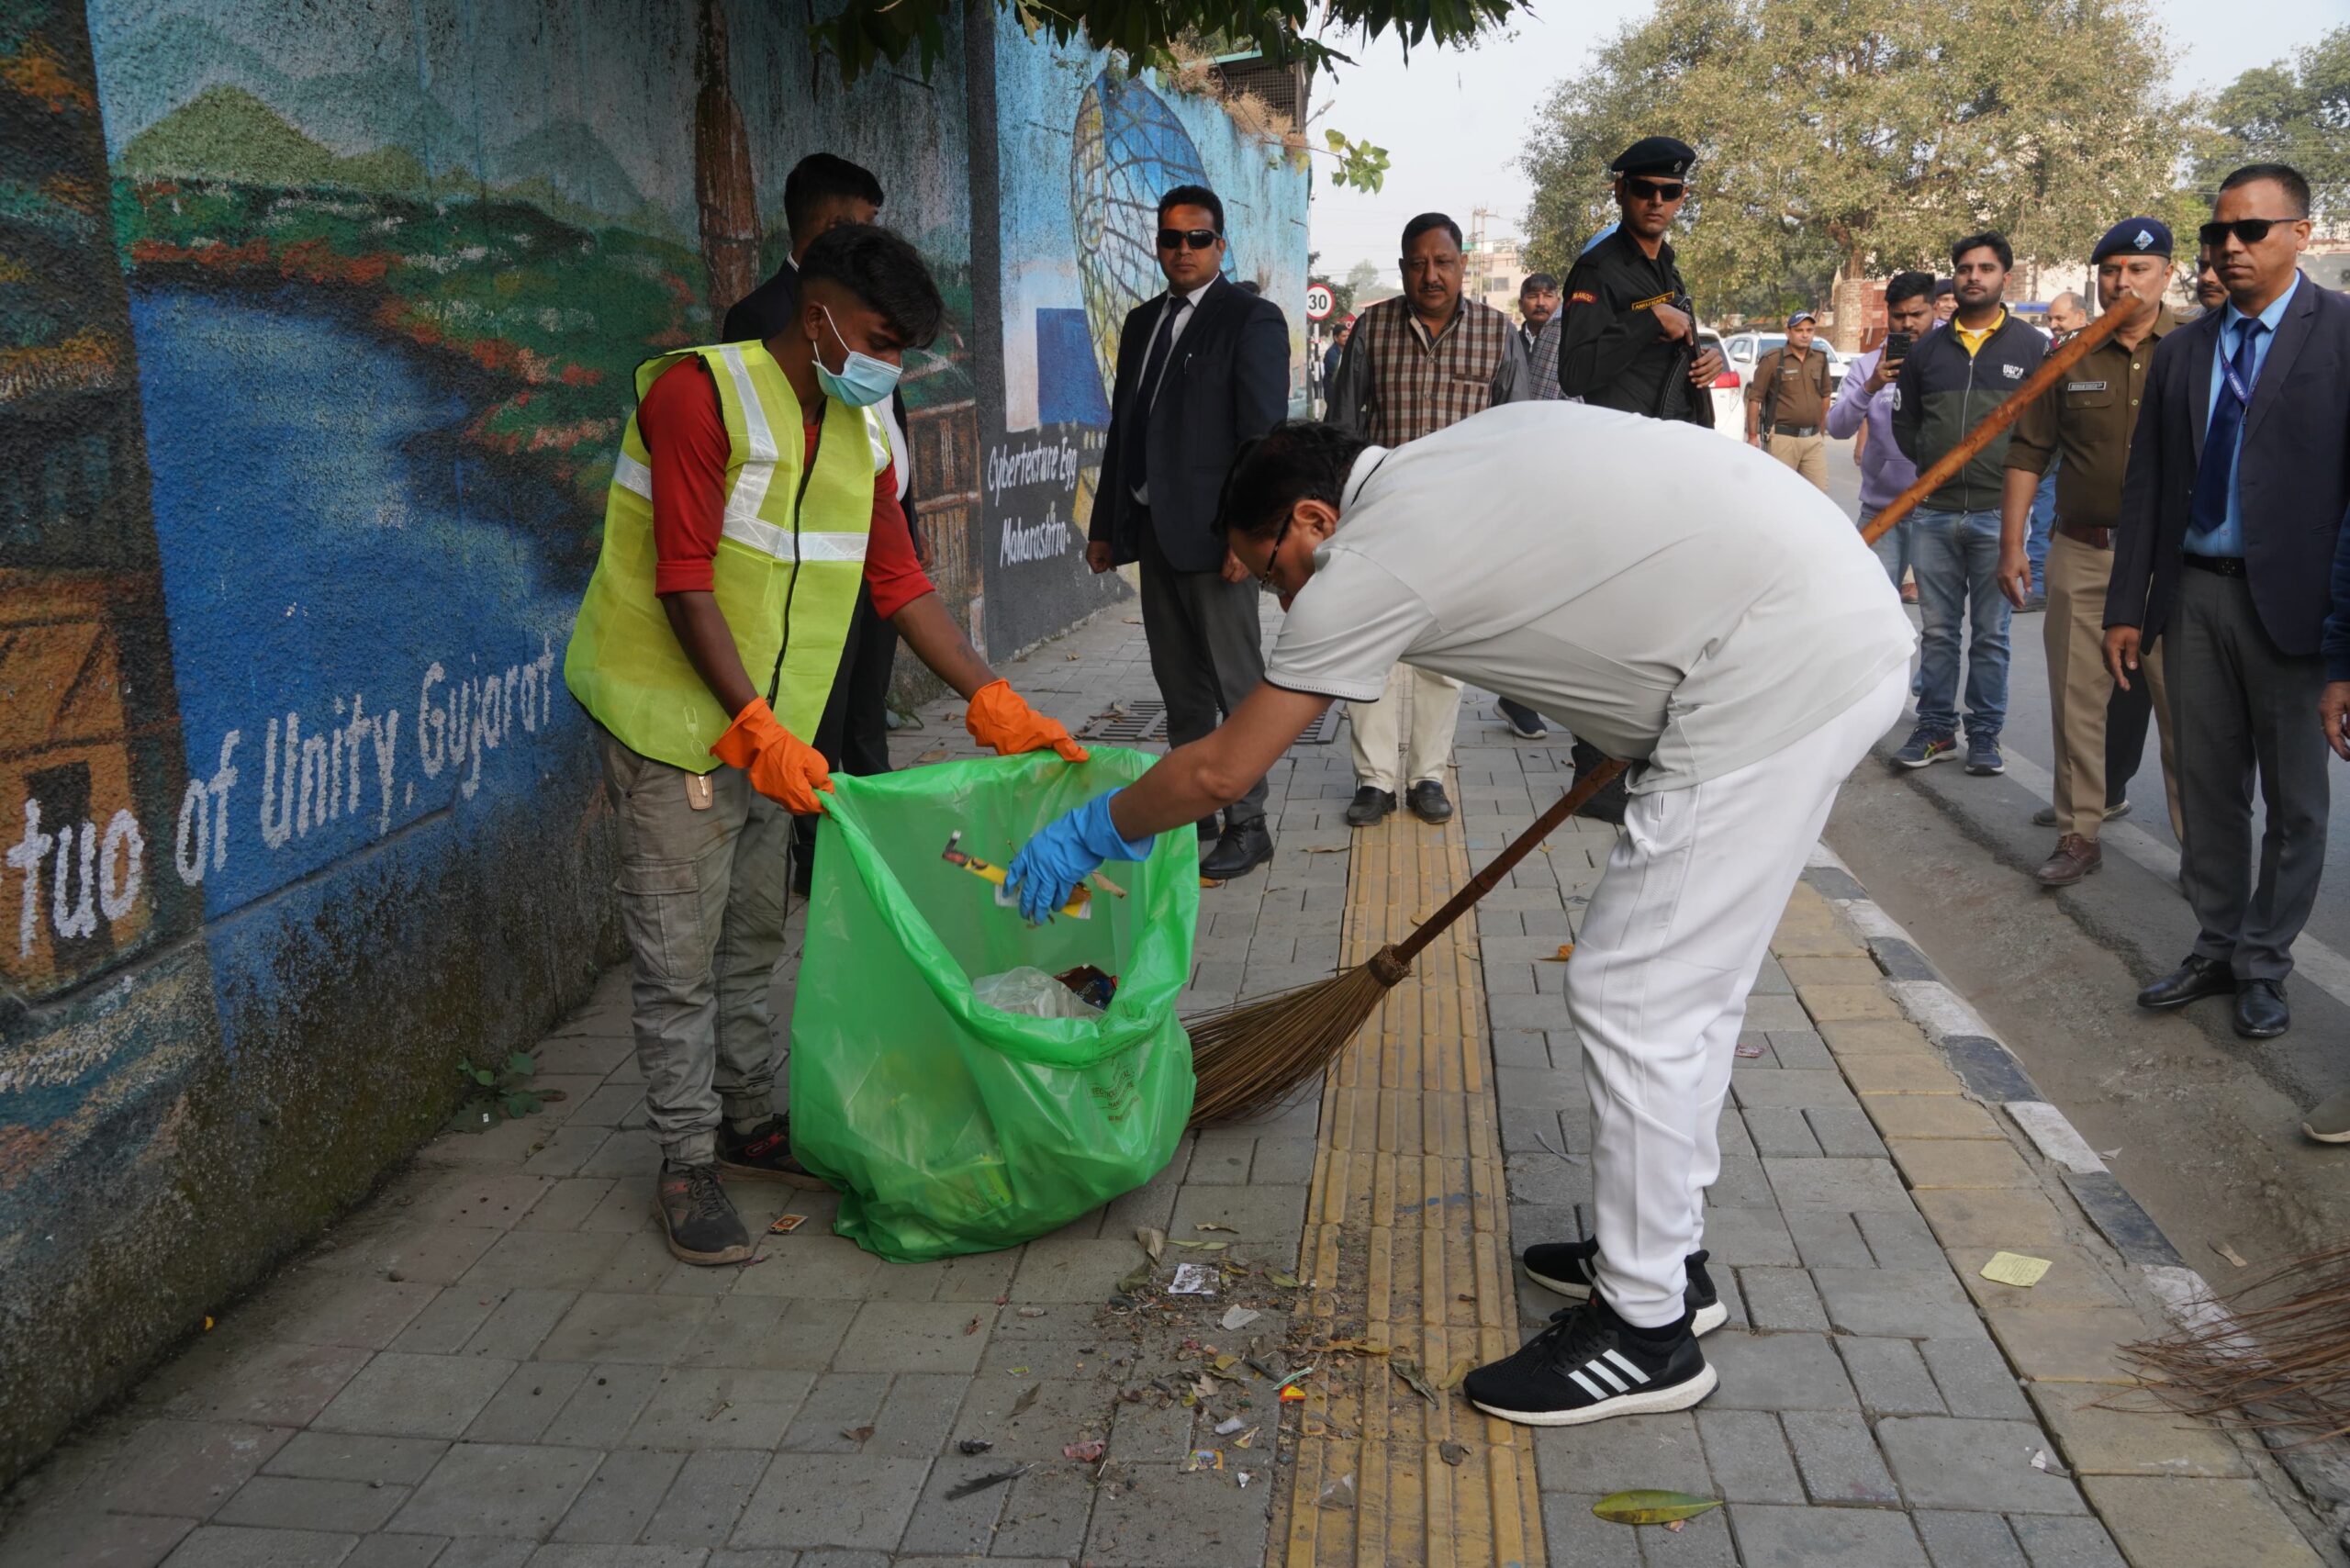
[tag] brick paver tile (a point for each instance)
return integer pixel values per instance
(617, 1504)
(1828, 1239)
(2077, 1345)
(818, 1499)
(2051, 1543)
(1939, 1162)
(1891, 1378)
(1969, 1540)
(576, 1556)
(1626, 1452)
(707, 1498)
(1824, 1538)
(401, 1395)
(961, 1525)
(1974, 1379)
(599, 1413)
(1737, 1238)
(1166, 1516)
(187, 1468)
(2108, 1431)
(1847, 1185)
(721, 1408)
(1944, 1463)
(503, 1489)
(396, 1551)
(2075, 1279)
(1748, 1454)
(1777, 1372)
(269, 1383)
(911, 1335)
(352, 1456)
(2015, 1220)
(1907, 1304)
(1575, 1534)
(226, 1546)
(1781, 1299)
(1071, 1269)
(1046, 1513)
(2173, 1521)
(1837, 1457)
(290, 1502)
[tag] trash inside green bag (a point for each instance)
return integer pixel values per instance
(947, 1125)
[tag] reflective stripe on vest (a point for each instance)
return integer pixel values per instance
(790, 553)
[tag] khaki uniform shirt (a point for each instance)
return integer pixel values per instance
(2088, 417)
(1791, 391)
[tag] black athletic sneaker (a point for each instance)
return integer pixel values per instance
(1572, 1269)
(696, 1216)
(1588, 1365)
(765, 1151)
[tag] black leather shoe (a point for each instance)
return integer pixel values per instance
(1241, 850)
(2261, 1013)
(1370, 806)
(2192, 981)
(1427, 801)
(1210, 829)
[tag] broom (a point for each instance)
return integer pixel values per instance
(1251, 1056)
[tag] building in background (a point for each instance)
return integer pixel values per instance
(1496, 266)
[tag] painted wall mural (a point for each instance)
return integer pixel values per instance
(1086, 153)
(316, 325)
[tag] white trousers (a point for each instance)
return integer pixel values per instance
(1434, 701)
(1668, 949)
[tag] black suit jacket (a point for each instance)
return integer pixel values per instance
(1226, 381)
(2292, 475)
(769, 309)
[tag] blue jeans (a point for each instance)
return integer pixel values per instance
(1956, 557)
(1893, 549)
(2044, 522)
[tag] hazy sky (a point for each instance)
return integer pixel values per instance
(1452, 122)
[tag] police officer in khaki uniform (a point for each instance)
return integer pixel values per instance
(1786, 403)
(2087, 419)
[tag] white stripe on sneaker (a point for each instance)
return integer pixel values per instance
(1636, 1374)
(1603, 1370)
(1586, 1385)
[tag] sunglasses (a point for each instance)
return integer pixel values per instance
(2251, 231)
(1656, 190)
(1197, 239)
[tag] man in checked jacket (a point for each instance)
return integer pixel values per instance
(1428, 358)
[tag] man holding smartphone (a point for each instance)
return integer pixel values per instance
(1862, 413)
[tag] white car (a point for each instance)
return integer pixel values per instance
(1741, 353)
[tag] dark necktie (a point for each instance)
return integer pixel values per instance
(2214, 477)
(1162, 342)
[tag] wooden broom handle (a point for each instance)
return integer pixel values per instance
(1927, 483)
(2006, 414)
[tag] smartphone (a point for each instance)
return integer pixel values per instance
(1896, 347)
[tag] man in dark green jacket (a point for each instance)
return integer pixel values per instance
(1954, 377)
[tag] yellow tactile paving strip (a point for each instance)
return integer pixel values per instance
(1407, 1246)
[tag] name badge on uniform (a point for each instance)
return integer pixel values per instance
(1652, 301)
(2012, 372)
(2085, 385)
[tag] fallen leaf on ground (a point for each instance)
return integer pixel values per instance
(1452, 1451)
(1409, 1371)
(1286, 1281)
(1211, 1225)
(977, 1485)
(1085, 1452)
(935, 754)
(1460, 1369)
(2229, 1254)
(1154, 1241)
(1244, 1438)
(857, 1434)
(971, 1327)
(1134, 1281)
(1201, 1246)
(1360, 1346)
(1651, 1507)
(1566, 950)
(975, 1445)
(1028, 1397)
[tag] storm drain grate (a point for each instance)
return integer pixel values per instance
(1132, 723)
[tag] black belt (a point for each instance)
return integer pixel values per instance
(1795, 430)
(2218, 565)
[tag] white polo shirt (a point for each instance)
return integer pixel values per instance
(1686, 602)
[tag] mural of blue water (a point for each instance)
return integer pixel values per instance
(329, 555)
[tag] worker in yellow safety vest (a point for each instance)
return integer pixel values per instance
(704, 650)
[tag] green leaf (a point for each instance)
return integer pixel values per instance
(482, 1076)
(1645, 1507)
(522, 1063)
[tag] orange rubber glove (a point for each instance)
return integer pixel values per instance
(1000, 718)
(782, 766)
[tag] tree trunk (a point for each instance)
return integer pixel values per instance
(724, 186)
(1852, 303)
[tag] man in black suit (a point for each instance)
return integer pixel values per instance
(824, 192)
(2230, 514)
(1202, 368)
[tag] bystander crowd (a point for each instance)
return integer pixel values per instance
(1862, 414)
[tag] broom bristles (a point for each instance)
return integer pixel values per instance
(1252, 1056)
(2277, 1358)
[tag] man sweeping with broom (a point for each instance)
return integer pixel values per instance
(1671, 596)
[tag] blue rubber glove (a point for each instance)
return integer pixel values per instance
(1064, 853)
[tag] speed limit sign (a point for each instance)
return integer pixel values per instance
(1318, 303)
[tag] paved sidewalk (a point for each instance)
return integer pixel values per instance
(495, 1361)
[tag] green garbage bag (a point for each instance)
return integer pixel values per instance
(947, 1125)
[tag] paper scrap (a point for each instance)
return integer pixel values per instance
(1230, 1425)
(785, 1223)
(2015, 1269)
(1085, 1452)
(1193, 1279)
(1205, 1459)
(1239, 1317)
(2229, 1254)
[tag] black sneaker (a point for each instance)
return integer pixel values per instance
(1427, 801)
(1570, 1268)
(1589, 1365)
(697, 1216)
(1370, 806)
(764, 1151)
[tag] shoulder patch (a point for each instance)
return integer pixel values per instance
(1582, 296)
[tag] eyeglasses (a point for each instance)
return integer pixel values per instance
(1656, 190)
(1197, 239)
(2251, 231)
(1265, 577)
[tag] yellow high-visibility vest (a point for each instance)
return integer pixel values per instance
(788, 563)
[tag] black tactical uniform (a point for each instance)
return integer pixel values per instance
(1611, 352)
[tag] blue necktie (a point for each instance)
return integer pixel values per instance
(1137, 452)
(2217, 475)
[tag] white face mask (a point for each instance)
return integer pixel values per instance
(862, 380)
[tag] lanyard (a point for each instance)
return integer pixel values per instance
(2237, 383)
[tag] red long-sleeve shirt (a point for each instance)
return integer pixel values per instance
(686, 433)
